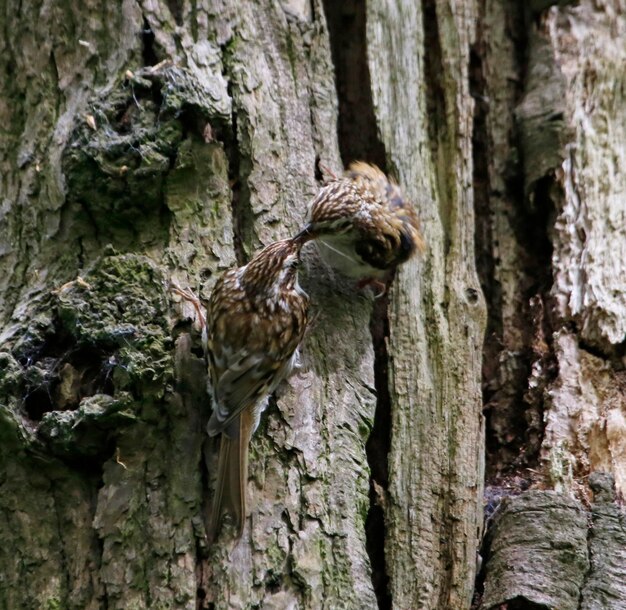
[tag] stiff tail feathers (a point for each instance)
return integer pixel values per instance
(232, 477)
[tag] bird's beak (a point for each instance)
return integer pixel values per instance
(307, 234)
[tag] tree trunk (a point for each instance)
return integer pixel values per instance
(551, 234)
(155, 142)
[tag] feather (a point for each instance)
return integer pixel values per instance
(256, 318)
(232, 471)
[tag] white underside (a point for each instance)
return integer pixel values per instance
(338, 252)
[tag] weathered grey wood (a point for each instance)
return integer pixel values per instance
(436, 311)
(544, 548)
(537, 552)
(605, 587)
(583, 435)
(553, 276)
(589, 274)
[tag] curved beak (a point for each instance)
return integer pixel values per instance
(307, 234)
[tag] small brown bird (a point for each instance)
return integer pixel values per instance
(256, 317)
(363, 223)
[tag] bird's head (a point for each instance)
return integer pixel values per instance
(372, 208)
(333, 210)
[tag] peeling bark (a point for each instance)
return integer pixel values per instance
(553, 360)
(155, 142)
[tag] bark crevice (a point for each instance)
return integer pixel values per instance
(485, 264)
(238, 168)
(433, 67)
(377, 449)
(148, 52)
(512, 238)
(356, 125)
(359, 139)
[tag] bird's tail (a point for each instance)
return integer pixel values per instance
(232, 476)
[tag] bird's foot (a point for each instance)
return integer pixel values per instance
(379, 287)
(189, 296)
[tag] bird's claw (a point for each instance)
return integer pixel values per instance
(189, 296)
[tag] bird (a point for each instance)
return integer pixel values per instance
(363, 223)
(256, 317)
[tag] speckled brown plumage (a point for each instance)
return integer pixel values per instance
(256, 317)
(363, 223)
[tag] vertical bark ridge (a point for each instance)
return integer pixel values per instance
(438, 135)
(436, 312)
(359, 139)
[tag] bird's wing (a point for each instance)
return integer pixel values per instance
(242, 382)
(247, 358)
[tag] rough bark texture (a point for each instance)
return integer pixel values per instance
(561, 314)
(533, 537)
(164, 141)
(186, 137)
(436, 311)
(550, 235)
(149, 141)
(589, 247)
(605, 586)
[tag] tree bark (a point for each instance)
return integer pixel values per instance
(550, 234)
(436, 312)
(156, 142)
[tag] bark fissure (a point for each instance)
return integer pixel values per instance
(433, 66)
(240, 200)
(525, 426)
(147, 39)
(377, 448)
(512, 232)
(176, 8)
(359, 139)
(433, 69)
(356, 124)
(237, 174)
(485, 264)
(588, 574)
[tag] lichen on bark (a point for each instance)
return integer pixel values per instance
(199, 146)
